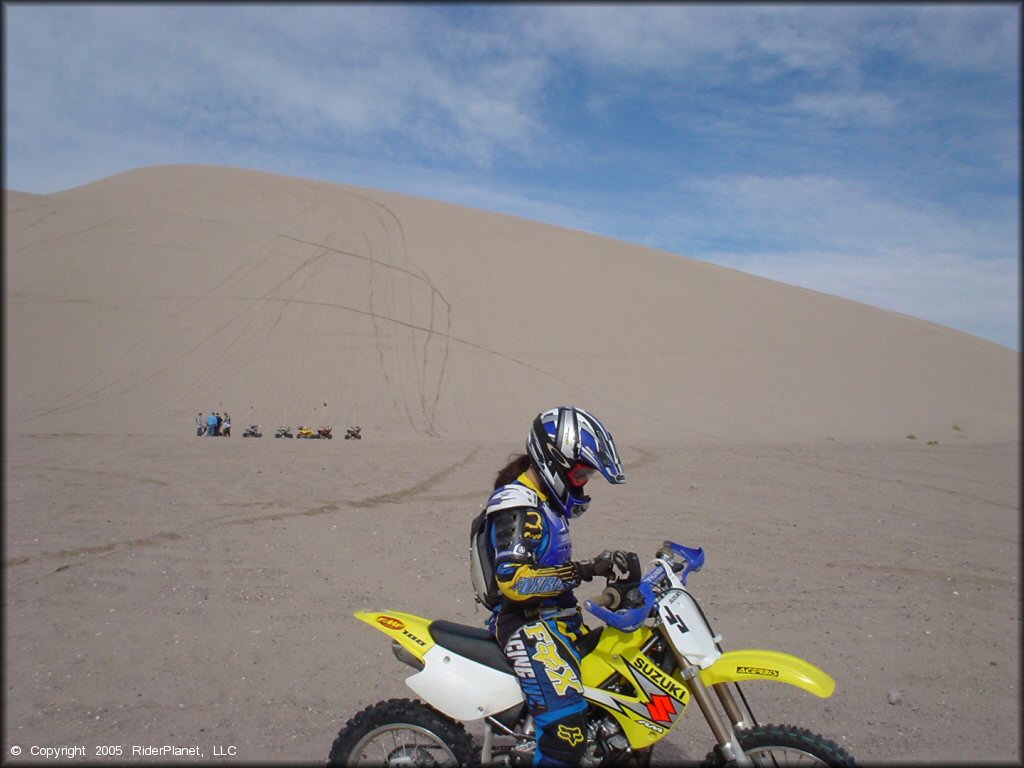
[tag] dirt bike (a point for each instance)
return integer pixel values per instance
(253, 431)
(353, 433)
(306, 432)
(325, 433)
(655, 655)
(284, 432)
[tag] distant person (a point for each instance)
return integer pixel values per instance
(219, 422)
(200, 425)
(211, 425)
(225, 427)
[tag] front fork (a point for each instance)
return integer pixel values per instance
(723, 728)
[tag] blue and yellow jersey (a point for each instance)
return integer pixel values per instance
(532, 549)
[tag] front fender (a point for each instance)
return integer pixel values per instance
(734, 666)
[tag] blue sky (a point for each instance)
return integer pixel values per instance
(868, 151)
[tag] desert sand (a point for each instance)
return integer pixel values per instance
(853, 474)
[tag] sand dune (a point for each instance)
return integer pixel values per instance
(164, 589)
(139, 300)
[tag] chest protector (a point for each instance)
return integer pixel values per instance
(554, 547)
(481, 563)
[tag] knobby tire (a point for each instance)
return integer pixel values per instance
(781, 745)
(387, 718)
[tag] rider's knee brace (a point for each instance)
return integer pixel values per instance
(563, 741)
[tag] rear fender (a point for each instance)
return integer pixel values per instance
(737, 666)
(459, 687)
(409, 631)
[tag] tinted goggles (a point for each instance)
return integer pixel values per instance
(580, 474)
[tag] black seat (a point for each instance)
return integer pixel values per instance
(472, 642)
(478, 644)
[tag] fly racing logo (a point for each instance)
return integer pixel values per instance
(572, 735)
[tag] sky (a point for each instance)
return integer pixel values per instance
(869, 151)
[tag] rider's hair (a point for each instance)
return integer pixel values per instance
(517, 464)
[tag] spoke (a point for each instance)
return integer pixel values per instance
(773, 757)
(403, 746)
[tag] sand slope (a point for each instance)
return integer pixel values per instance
(139, 300)
(164, 589)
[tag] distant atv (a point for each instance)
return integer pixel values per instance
(306, 432)
(253, 431)
(325, 433)
(284, 432)
(353, 433)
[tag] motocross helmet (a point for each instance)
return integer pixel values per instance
(567, 446)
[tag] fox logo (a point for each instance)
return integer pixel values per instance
(572, 735)
(533, 527)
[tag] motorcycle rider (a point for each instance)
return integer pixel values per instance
(537, 621)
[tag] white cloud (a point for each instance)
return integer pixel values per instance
(978, 38)
(345, 74)
(847, 108)
(831, 213)
(684, 40)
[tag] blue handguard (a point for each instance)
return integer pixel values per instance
(693, 556)
(627, 620)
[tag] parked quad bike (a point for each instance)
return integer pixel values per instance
(656, 655)
(306, 432)
(353, 433)
(284, 432)
(325, 433)
(253, 431)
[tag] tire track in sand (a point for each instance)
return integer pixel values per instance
(102, 550)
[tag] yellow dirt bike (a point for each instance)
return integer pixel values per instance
(655, 655)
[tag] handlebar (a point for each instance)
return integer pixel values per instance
(630, 619)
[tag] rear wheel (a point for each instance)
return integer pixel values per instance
(401, 732)
(781, 745)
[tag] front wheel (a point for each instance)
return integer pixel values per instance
(775, 745)
(401, 732)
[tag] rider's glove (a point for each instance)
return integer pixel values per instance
(584, 570)
(601, 565)
(605, 563)
(626, 562)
